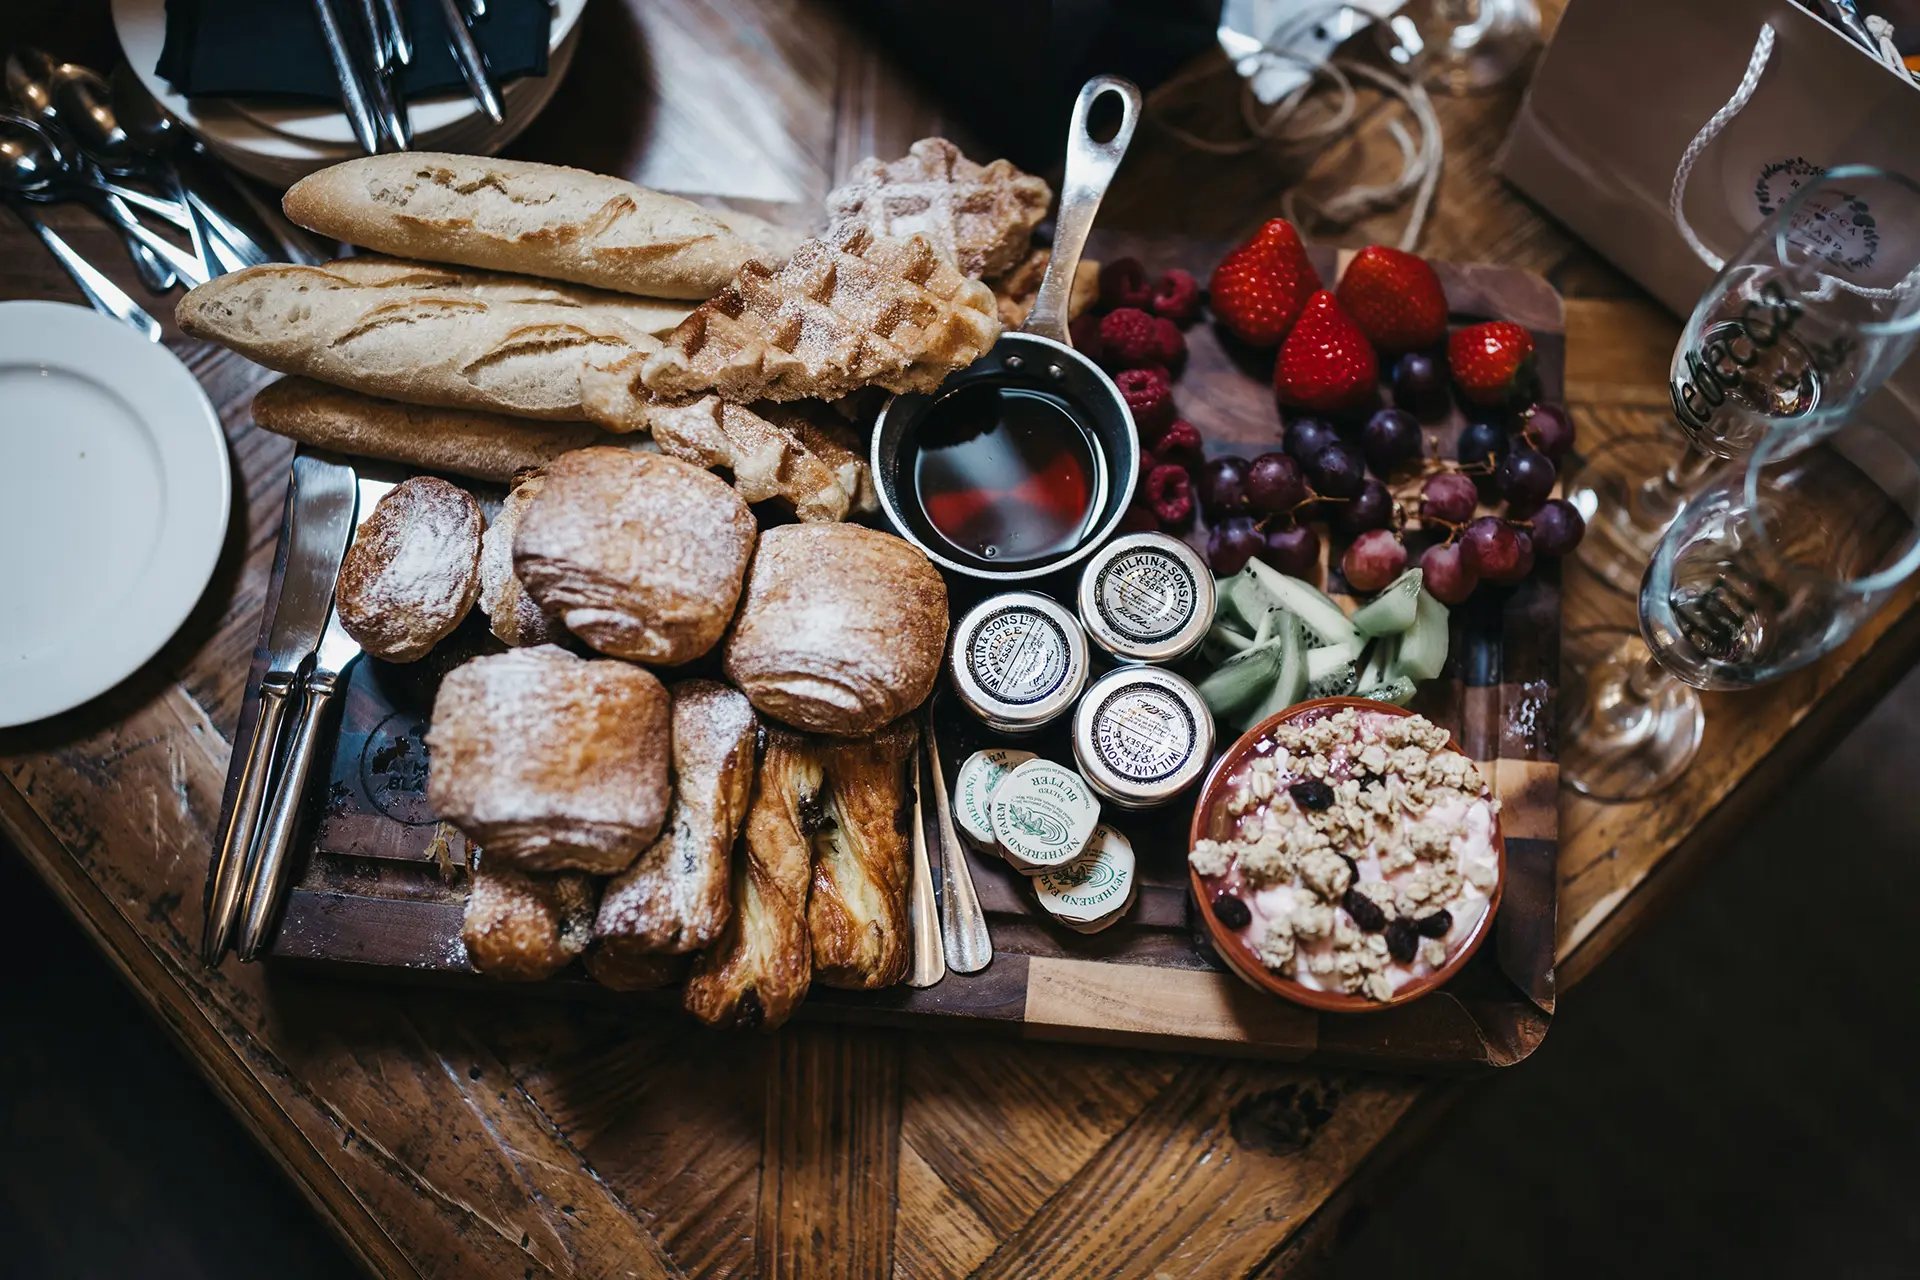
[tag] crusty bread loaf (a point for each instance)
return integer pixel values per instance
(857, 910)
(656, 316)
(465, 442)
(638, 554)
(515, 215)
(419, 334)
(550, 761)
(525, 928)
(840, 630)
(511, 613)
(413, 570)
(674, 898)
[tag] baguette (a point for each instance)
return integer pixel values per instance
(542, 219)
(463, 442)
(421, 335)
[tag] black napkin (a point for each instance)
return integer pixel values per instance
(273, 48)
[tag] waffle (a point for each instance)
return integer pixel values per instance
(850, 310)
(777, 452)
(1015, 291)
(981, 216)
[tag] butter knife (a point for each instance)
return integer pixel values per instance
(963, 925)
(322, 516)
(929, 963)
(267, 872)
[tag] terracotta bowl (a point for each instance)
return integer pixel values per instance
(1234, 949)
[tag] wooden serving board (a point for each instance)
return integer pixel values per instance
(382, 887)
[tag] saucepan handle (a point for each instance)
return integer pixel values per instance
(1090, 167)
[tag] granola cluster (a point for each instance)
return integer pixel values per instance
(1345, 834)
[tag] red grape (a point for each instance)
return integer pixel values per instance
(1293, 550)
(1391, 439)
(1524, 566)
(1306, 437)
(1526, 478)
(1371, 508)
(1557, 528)
(1376, 558)
(1275, 484)
(1447, 576)
(1223, 487)
(1232, 543)
(1449, 496)
(1337, 471)
(1420, 386)
(1492, 548)
(1550, 428)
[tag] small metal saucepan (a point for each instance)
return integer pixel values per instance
(1040, 358)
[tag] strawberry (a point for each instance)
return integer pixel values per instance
(1492, 363)
(1259, 288)
(1326, 364)
(1395, 298)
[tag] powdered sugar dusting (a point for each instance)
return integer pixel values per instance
(413, 569)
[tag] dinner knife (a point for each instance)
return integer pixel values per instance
(963, 925)
(353, 97)
(322, 517)
(267, 871)
(473, 64)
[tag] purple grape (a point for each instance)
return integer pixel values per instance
(1557, 528)
(1391, 439)
(1420, 386)
(1525, 478)
(1524, 566)
(1481, 440)
(1294, 550)
(1223, 487)
(1371, 508)
(1306, 437)
(1337, 471)
(1550, 428)
(1233, 542)
(1492, 548)
(1376, 558)
(1275, 484)
(1449, 497)
(1446, 574)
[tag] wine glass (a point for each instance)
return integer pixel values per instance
(1771, 565)
(1808, 320)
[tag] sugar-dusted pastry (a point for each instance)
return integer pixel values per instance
(413, 570)
(840, 630)
(523, 927)
(675, 898)
(980, 216)
(805, 460)
(845, 312)
(510, 611)
(1016, 291)
(756, 974)
(550, 761)
(857, 911)
(638, 554)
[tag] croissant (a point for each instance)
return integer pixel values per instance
(857, 913)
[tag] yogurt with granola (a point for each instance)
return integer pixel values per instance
(1353, 851)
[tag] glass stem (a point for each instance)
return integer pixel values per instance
(1658, 500)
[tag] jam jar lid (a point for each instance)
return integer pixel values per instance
(1141, 736)
(1146, 597)
(1019, 660)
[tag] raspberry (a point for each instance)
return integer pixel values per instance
(1171, 495)
(1139, 518)
(1181, 445)
(1176, 296)
(1084, 334)
(1130, 339)
(1149, 393)
(1173, 343)
(1123, 283)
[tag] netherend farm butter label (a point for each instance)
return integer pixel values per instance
(1043, 815)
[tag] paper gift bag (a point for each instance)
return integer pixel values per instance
(1627, 85)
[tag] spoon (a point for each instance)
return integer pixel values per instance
(32, 83)
(105, 296)
(35, 168)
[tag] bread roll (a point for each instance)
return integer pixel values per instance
(413, 570)
(551, 762)
(841, 628)
(857, 910)
(674, 898)
(465, 442)
(514, 215)
(524, 928)
(511, 612)
(756, 974)
(421, 334)
(639, 555)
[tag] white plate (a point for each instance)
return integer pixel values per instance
(115, 508)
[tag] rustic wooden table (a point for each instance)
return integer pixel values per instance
(489, 1135)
